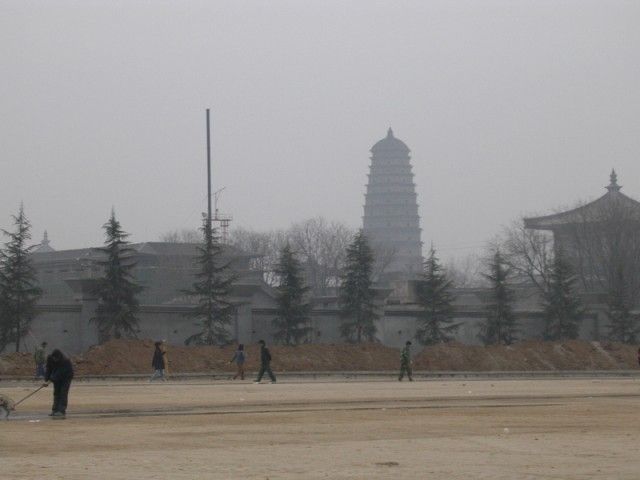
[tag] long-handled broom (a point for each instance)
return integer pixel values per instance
(9, 405)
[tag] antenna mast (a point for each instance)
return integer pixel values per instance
(208, 172)
(224, 219)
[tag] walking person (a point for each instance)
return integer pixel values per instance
(239, 358)
(159, 362)
(165, 360)
(265, 363)
(405, 362)
(40, 358)
(59, 372)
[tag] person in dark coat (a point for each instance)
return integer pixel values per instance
(59, 371)
(405, 362)
(159, 362)
(265, 363)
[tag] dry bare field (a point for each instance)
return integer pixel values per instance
(511, 429)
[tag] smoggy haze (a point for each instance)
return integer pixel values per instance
(508, 108)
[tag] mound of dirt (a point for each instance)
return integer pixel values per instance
(134, 356)
(527, 356)
(17, 364)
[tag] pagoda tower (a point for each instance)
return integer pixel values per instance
(391, 220)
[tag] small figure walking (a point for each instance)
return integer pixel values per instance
(60, 373)
(159, 362)
(639, 356)
(265, 363)
(239, 358)
(40, 358)
(405, 362)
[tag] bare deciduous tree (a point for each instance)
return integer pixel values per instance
(603, 244)
(464, 272)
(528, 253)
(265, 245)
(320, 245)
(185, 235)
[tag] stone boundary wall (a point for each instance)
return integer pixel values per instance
(69, 328)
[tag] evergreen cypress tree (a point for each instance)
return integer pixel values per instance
(19, 291)
(117, 290)
(500, 325)
(623, 326)
(212, 289)
(562, 306)
(293, 309)
(6, 336)
(356, 296)
(435, 298)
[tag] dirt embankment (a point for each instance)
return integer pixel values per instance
(134, 356)
(529, 356)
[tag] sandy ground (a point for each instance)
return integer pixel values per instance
(511, 429)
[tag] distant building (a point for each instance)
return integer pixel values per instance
(44, 246)
(594, 231)
(164, 269)
(68, 304)
(391, 219)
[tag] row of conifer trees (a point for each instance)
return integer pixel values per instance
(117, 290)
(434, 291)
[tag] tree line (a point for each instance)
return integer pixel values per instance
(599, 256)
(315, 257)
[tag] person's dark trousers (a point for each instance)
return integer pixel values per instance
(60, 396)
(405, 368)
(266, 367)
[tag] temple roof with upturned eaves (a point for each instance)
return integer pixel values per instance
(589, 212)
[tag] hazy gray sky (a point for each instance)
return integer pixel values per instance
(509, 107)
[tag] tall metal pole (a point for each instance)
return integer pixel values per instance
(208, 172)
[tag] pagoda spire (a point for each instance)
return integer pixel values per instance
(389, 133)
(613, 182)
(44, 246)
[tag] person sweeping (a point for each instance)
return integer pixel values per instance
(59, 372)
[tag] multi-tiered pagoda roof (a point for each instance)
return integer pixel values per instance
(391, 219)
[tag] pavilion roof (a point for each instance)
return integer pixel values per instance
(589, 212)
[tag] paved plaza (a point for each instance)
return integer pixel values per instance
(439, 429)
